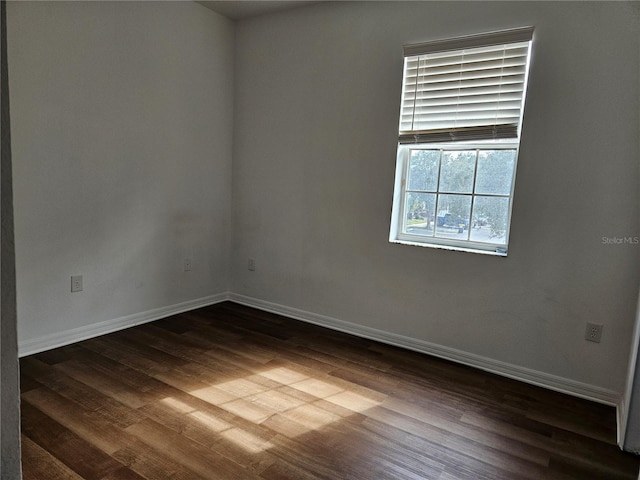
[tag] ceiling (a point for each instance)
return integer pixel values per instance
(239, 9)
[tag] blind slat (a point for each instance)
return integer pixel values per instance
(460, 134)
(464, 81)
(426, 75)
(476, 92)
(441, 101)
(471, 122)
(470, 57)
(481, 112)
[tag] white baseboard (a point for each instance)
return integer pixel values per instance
(541, 379)
(621, 420)
(59, 339)
(515, 372)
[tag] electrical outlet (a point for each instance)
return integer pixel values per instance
(251, 264)
(76, 283)
(187, 265)
(593, 333)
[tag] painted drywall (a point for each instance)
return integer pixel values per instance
(124, 117)
(9, 391)
(316, 111)
(122, 141)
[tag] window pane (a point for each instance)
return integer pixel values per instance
(457, 171)
(420, 213)
(495, 171)
(423, 170)
(454, 212)
(489, 221)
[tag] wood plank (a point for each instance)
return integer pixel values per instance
(152, 464)
(79, 455)
(192, 455)
(127, 375)
(282, 470)
(38, 463)
(123, 473)
(106, 384)
(88, 425)
(87, 397)
(144, 359)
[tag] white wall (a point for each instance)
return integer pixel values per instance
(123, 116)
(317, 100)
(122, 129)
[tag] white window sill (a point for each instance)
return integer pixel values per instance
(451, 247)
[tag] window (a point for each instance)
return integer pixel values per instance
(458, 139)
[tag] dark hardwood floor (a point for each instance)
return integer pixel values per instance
(228, 392)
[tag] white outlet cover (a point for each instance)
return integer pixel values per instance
(76, 283)
(593, 332)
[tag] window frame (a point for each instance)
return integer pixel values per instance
(496, 141)
(397, 235)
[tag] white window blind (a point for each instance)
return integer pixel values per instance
(467, 88)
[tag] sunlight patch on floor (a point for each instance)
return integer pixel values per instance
(256, 402)
(283, 375)
(246, 440)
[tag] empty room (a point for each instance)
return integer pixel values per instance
(320, 240)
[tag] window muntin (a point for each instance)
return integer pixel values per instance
(460, 119)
